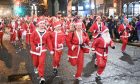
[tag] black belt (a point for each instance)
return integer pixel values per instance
(102, 48)
(39, 45)
(81, 45)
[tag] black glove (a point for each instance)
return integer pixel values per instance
(81, 45)
(121, 33)
(98, 35)
(96, 31)
(113, 47)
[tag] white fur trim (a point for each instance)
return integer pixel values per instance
(28, 33)
(40, 22)
(124, 36)
(55, 41)
(95, 36)
(44, 50)
(105, 30)
(32, 52)
(72, 56)
(79, 42)
(60, 47)
(36, 53)
(51, 52)
(72, 48)
(57, 26)
(101, 54)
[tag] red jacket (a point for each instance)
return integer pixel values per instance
(58, 40)
(1, 27)
(73, 39)
(124, 30)
(95, 30)
(101, 47)
(29, 27)
(13, 27)
(43, 42)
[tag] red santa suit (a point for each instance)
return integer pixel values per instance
(39, 43)
(100, 45)
(13, 31)
(83, 26)
(124, 34)
(96, 29)
(58, 39)
(75, 43)
(29, 29)
(19, 29)
(1, 31)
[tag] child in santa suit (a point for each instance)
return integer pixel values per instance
(40, 40)
(13, 31)
(124, 31)
(58, 39)
(1, 31)
(76, 41)
(100, 47)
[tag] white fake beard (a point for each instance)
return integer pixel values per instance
(106, 37)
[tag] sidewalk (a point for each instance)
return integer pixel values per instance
(13, 67)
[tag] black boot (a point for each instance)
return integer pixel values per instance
(42, 81)
(55, 71)
(98, 80)
(95, 65)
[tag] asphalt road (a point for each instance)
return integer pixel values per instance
(120, 69)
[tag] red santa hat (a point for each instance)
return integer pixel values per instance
(98, 17)
(56, 24)
(40, 21)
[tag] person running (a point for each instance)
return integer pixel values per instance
(39, 41)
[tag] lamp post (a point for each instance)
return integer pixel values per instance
(33, 10)
(133, 9)
(95, 7)
(77, 7)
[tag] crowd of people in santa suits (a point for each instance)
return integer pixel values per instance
(51, 33)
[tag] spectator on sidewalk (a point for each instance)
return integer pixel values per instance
(138, 29)
(111, 26)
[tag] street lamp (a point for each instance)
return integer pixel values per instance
(92, 6)
(87, 6)
(33, 10)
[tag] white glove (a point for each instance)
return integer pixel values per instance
(73, 47)
(60, 45)
(92, 50)
(51, 52)
(37, 48)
